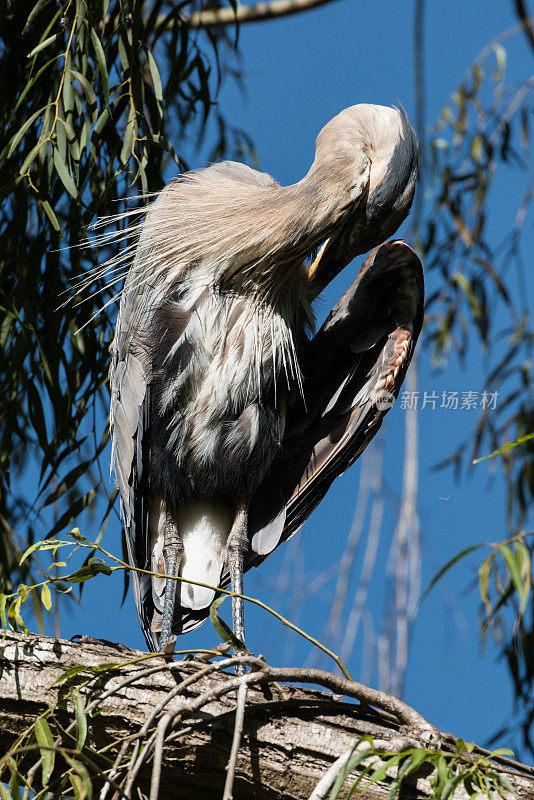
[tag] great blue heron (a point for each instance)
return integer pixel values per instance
(230, 422)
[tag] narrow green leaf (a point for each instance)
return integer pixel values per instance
(3, 614)
(61, 140)
(500, 55)
(88, 571)
(64, 174)
(95, 670)
(505, 447)
(355, 759)
(14, 784)
(443, 770)
(447, 567)
(47, 208)
(42, 545)
(81, 718)
(86, 133)
(86, 86)
(78, 786)
(450, 786)
(99, 50)
(380, 772)
(20, 133)
(156, 78)
(21, 624)
(44, 737)
(508, 785)
(501, 751)
(412, 764)
(524, 561)
(222, 628)
(68, 91)
(42, 45)
(101, 121)
(32, 82)
(66, 483)
(84, 780)
(126, 151)
(513, 568)
(483, 579)
(69, 674)
(14, 609)
(46, 597)
(33, 13)
(32, 155)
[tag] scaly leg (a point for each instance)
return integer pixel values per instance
(173, 549)
(237, 545)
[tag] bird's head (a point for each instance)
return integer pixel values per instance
(370, 150)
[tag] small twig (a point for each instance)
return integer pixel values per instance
(510, 763)
(236, 741)
(180, 687)
(329, 777)
(134, 770)
(158, 756)
(113, 771)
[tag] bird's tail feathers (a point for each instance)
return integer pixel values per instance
(204, 529)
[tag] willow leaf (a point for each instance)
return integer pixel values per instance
(64, 174)
(505, 447)
(44, 737)
(101, 58)
(20, 133)
(42, 45)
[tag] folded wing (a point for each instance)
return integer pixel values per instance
(353, 371)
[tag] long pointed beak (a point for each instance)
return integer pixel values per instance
(334, 255)
(317, 260)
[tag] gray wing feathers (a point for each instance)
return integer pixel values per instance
(128, 412)
(268, 522)
(128, 392)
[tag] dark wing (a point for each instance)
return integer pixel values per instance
(353, 371)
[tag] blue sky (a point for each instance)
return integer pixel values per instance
(299, 72)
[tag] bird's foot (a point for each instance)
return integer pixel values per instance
(167, 648)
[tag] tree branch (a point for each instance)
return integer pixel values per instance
(166, 727)
(214, 17)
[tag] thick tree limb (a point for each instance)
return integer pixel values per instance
(212, 17)
(185, 712)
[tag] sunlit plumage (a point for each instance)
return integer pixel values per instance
(229, 422)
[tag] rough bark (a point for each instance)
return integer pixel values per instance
(291, 736)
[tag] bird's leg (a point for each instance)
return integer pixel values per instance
(173, 549)
(237, 546)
